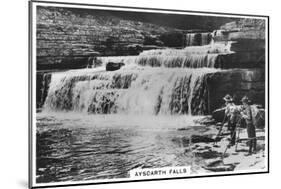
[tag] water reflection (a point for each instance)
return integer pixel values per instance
(81, 149)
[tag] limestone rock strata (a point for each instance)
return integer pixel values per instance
(66, 37)
(237, 82)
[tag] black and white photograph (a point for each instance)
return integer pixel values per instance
(121, 94)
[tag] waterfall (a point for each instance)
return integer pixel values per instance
(128, 60)
(189, 57)
(145, 90)
(191, 61)
(198, 39)
(190, 39)
(162, 81)
(215, 48)
(206, 38)
(44, 88)
(165, 60)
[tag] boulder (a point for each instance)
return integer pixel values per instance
(111, 66)
(207, 154)
(196, 139)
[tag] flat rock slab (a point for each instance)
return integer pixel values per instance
(186, 141)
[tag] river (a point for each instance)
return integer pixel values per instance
(85, 147)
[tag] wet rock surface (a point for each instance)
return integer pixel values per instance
(238, 83)
(111, 66)
(197, 139)
(43, 80)
(218, 156)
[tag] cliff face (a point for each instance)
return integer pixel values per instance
(238, 82)
(248, 47)
(245, 29)
(248, 36)
(66, 39)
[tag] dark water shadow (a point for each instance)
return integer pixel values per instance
(241, 150)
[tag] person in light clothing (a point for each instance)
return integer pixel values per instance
(246, 114)
(232, 115)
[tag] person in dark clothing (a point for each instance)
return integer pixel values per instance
(232, 114)
(246, 114)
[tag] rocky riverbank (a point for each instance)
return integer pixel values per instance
(207, 149)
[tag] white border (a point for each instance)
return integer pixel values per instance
(100, 7)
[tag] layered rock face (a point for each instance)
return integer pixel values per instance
(248, 36)
(244, 29)
(70, 38)
(249, 39)
(237, 82)
(190, 80)
(67, 39)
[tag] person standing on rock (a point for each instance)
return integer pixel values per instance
(232, 115)
(246, 114)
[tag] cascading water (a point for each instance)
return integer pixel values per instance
(198, 39)
(156, 82)
(129, 91)
(189, 57)
(128, 60)
(129, 117)
(190, 39)
(191, 61)
(164, 60)
(205, 38)
(215, 48)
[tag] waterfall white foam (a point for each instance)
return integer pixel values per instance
(183, 61)
(155, 82)
(189, 57)
(129, 91)
(214, 48)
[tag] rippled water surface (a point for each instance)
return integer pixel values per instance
(76, 148)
